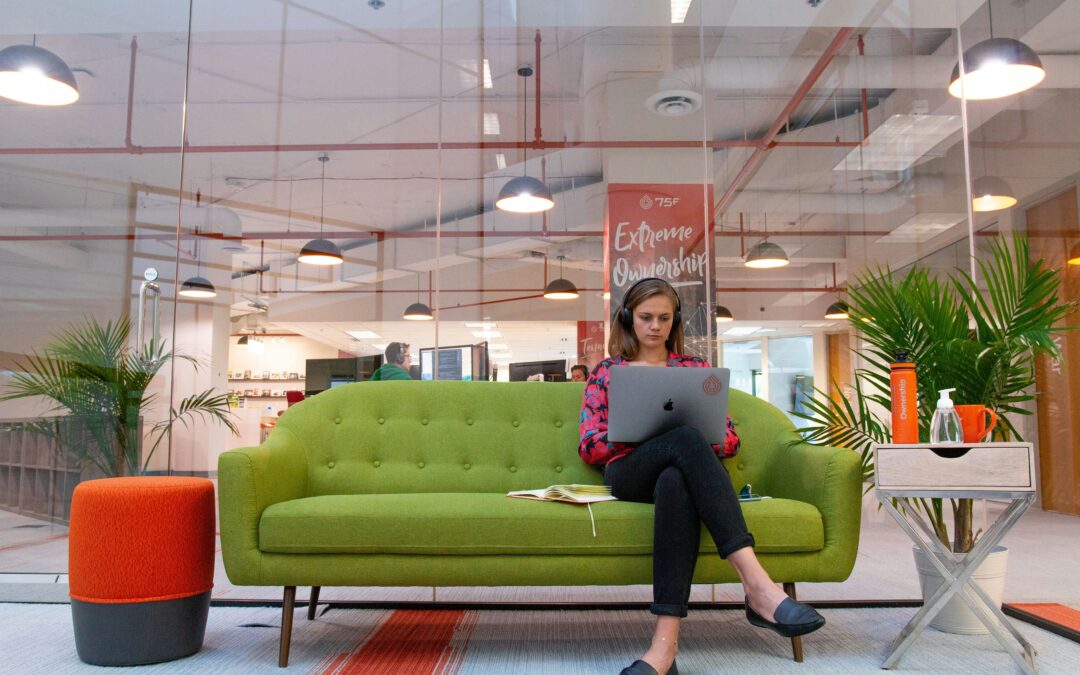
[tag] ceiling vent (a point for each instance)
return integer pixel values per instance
(674, 102)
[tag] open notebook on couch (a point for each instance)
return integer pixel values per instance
(575, 494)
(571, 494)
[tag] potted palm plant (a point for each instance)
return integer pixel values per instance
(982, 340)
(99, 386)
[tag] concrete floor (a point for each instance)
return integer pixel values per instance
(1043, 549)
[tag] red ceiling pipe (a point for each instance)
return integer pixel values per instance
(491, 302)
(377, 291)
(773, 289)
(470, 234)
(755, 159)
(538, 135)
(742, 240)
(862, 94)
(472, 145)
(537, 143)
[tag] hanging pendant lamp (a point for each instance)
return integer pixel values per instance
(321, 251)
(837, 311)
(417, 311)
(197, 286)
(996, 68)
(525, 194)
(30, 74)
(765, 255)
(722, 314)
(242, 342)
(561, 288)
(991, 193)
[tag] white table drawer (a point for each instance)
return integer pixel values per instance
(983, 466)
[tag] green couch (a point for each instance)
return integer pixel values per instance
(404, 484)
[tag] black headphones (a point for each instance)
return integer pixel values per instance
(626, 317)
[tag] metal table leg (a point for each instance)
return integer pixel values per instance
(956, 574)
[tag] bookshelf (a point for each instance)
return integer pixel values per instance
(37, 479)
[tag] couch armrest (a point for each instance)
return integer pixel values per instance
(249, 480)
(830, 479)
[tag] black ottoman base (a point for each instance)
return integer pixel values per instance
(137, 633)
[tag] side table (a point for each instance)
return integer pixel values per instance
(1002, 471)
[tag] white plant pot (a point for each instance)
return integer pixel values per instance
(956, 616)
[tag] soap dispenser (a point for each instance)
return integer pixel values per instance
(945, 427)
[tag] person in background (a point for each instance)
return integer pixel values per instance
(682, 475)
(398, 360)
(579, 373)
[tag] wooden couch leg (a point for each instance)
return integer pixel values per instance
(796, 642)
(313, 602)
(287, 605)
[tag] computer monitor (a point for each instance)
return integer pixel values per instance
(323, 374)
(455, 363)
(553, 371)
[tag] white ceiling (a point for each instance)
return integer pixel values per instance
(330, 72)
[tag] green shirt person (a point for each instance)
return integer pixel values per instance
(398, 361)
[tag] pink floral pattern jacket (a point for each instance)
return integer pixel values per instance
(594, 447)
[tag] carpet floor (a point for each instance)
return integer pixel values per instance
(38, 639)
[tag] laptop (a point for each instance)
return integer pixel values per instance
(644, 402)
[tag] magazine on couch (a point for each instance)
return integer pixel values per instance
(574, 494)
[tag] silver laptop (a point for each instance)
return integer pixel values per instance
(644, 402)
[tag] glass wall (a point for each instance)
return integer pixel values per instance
(222, 141)
(743, 359)
(83, 246)
(791, 374)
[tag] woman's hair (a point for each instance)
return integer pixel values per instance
(623, 342)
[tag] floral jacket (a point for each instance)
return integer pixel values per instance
(594, 447)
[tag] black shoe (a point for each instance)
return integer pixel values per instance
(639, 667)
(792, 618)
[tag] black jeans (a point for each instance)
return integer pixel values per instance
(679, 473)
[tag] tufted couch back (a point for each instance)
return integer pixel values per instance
(401, 437)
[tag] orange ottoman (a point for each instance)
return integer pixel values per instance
(140, 567)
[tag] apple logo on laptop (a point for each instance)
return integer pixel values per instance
(669, 406)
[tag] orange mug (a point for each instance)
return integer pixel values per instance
(973, 421)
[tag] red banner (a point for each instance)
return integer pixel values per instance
(590, 343)
(665, 231)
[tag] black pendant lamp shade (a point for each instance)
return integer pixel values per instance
(417, 311)
(765, 255)
(320, 252)
(996, 68)
(30, 74)
(198, 287)
(560, 289)
(991, 193)
(242, 341)
(837, 311)
(524, 194)
(722, 314)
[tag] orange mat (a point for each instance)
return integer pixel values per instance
(417, 642)
(1052, 612)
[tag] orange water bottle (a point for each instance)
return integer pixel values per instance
(905, 408)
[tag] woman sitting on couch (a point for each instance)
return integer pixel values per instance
(681, 474)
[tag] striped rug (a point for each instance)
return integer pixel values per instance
(38, 639)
